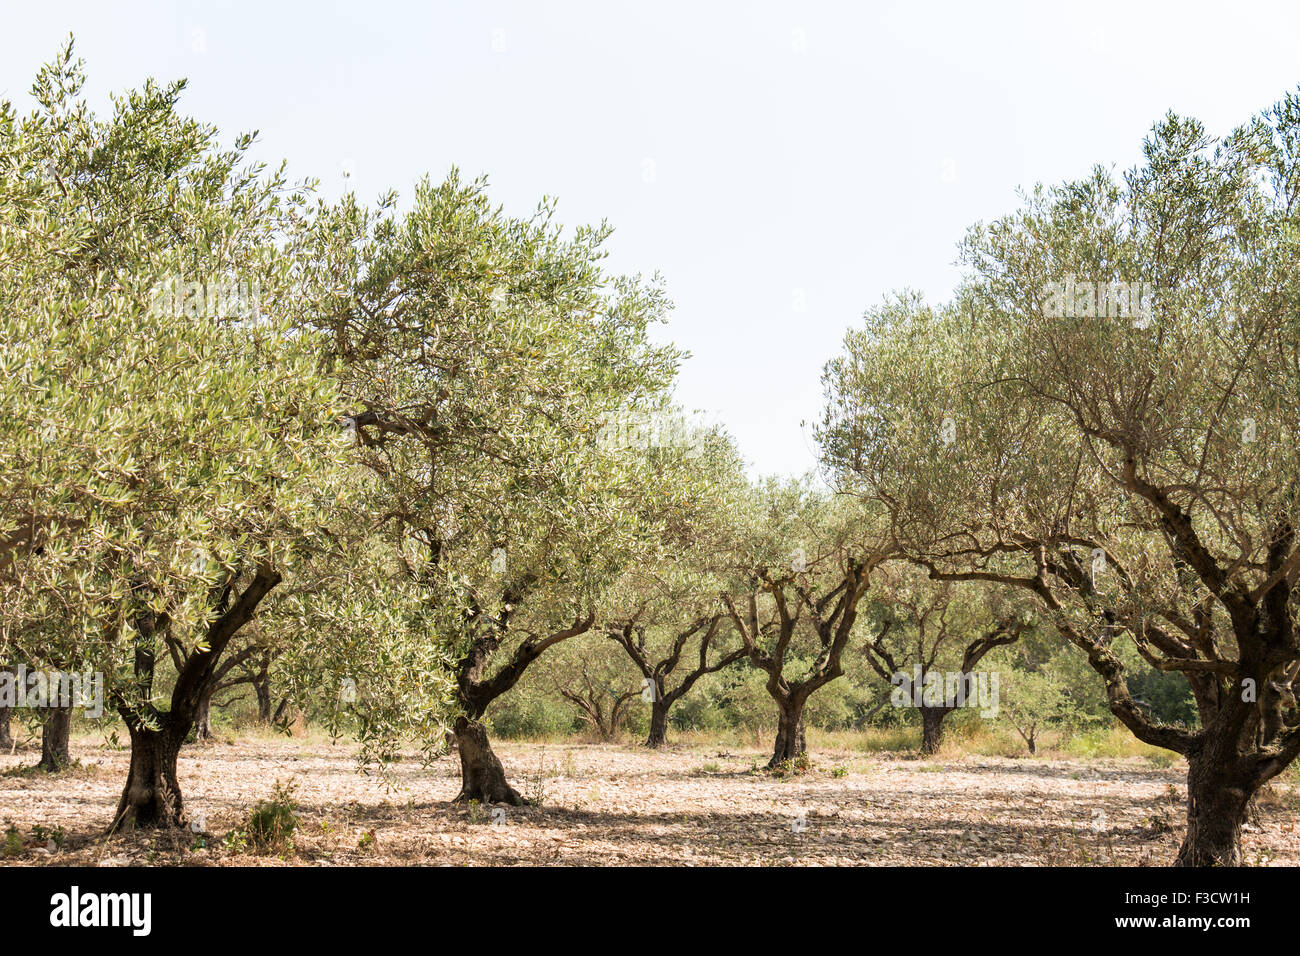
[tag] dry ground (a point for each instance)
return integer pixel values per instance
(619, 804)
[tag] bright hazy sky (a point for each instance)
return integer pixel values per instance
(784, 165)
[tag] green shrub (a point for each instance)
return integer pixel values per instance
(13, 842)
(271, 823)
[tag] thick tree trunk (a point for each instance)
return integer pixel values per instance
(658, 723)
(1216, 809)
(152, 796)
(790, 743)
(54, 740)
(482, 777)
(932, 729)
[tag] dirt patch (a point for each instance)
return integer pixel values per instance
(612, 805)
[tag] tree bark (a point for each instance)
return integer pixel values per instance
(790, 743)
(658, 723)
(6, 713)
(54, 740)
(482, 776)
(152, 796)
(1217, 802)
(932, 729)
(203, 717)
(262, 687)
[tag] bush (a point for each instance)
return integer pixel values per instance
(532, 716)
(271, 823)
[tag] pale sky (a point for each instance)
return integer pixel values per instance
(784, 165)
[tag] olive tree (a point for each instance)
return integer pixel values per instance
(802, 571)
(171, 445)
(665, 613)
(932, 638)
(488, 364)
(1105, 417)
(594, 678)
(1032, 699)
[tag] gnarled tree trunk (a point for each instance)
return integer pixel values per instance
(482, 776)
(1215, 814)
(831, 616)
(152, 796)
(54, 739)
(1219, 791)
(203, 717)
(658, 723)
(790, 744)
(932, 729)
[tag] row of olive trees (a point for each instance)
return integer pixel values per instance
(403, 454)
(364, 442)
(788, 580)
(406, 453)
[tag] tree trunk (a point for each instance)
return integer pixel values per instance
(263, 690)
(658, 723)
(6, 734)
(932, 729)
(789, 734)
(482, 777)
(54, 740)
(152, 796)
(1216, 810)
(203, 717)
